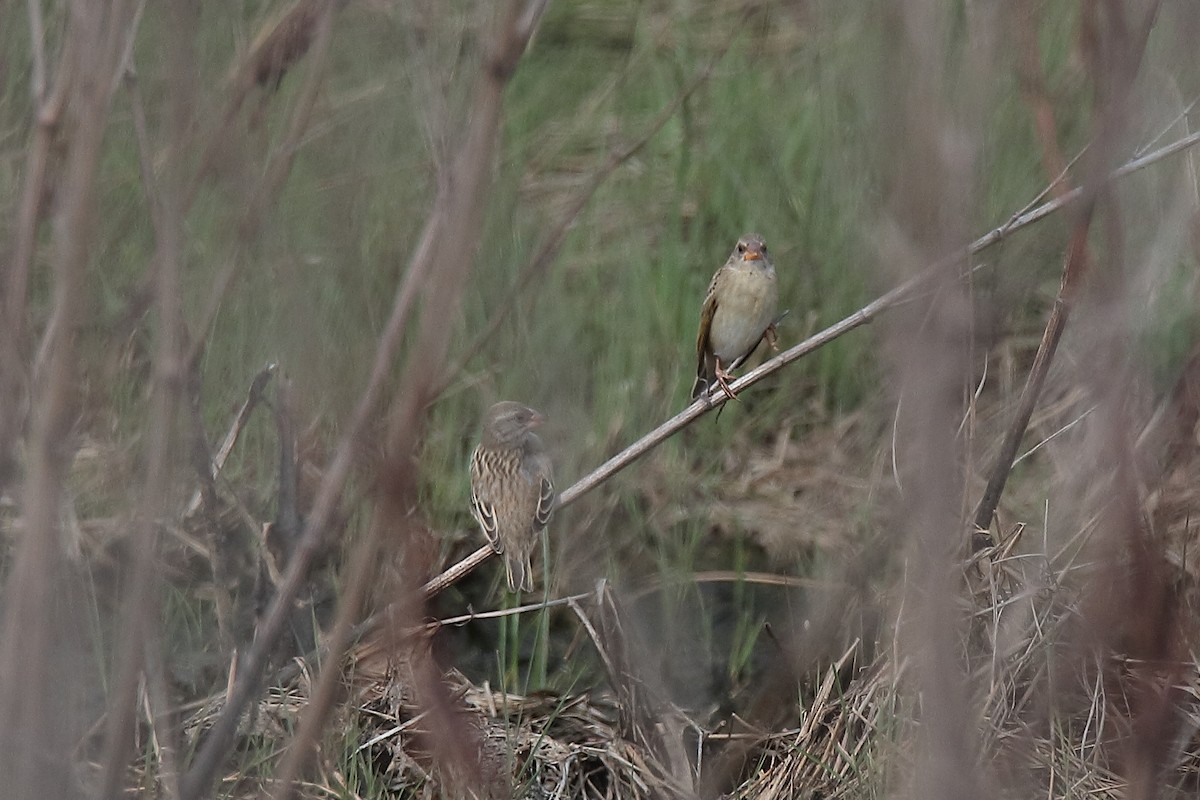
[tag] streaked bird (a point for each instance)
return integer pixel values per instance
(512, 489)
(737, 314)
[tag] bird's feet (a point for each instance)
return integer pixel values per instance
(723, 378)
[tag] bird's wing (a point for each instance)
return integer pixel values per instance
(704, 359)
(485, 514)
(483, 510)
(540, 474)
(547, 499)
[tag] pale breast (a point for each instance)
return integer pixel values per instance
(746, 307)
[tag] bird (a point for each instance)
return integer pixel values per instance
(512, 488)
(737, 314)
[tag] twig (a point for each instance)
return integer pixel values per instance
(208, 758)
(220, 738)
(463, 619)
(1073, 270)
(281, 165)
(1125, 68)
(253, 398)
(1074, 267)
(277, 47)
(14, 335)
(867, 313)
(137, 612)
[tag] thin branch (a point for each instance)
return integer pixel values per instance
(277, 47)
(281, 165)
(212, 752)
(1125, 68)
(14, 336)
(37, 42)
(138, 616)
(867, 313)
(33, 634)
(459, 235)
(1075, 266)
(253, 397)
(463, 619)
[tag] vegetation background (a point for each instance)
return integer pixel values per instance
(340, 229)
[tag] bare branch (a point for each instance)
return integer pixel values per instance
(35, 640)
(37, 42)
(14, 375)
(138, 615)
(460, 231)
(1075, 268)
(459, 205)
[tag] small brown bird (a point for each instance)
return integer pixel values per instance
(737, 314)
(512, 491)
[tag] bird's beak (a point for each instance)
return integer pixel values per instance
(751, 255)
(536, 420)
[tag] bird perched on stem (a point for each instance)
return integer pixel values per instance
(512, 491)
(737, 314)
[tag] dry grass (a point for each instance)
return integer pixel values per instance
(1055, 709)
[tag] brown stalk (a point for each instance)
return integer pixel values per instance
(36, 647)
(867, 313)
(1113, 85)
(320, 33)
(1033, 90)
(1131, 609)
(319, 39)
(460, 230)
(212, 752)
(14, 336)
(163, 198)
(277, 48)
(927, 346)
(1073, 270)
(458, 207)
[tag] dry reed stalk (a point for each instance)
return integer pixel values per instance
(928, 347)
(138, 621)
(38, 655)
(1113, 90)
(438, 267)
(48, 108)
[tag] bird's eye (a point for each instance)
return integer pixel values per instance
(762, 249)
(741, 247)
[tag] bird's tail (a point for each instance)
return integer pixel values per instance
(700, 386)
(520, 573)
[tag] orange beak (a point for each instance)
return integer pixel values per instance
(751, 255)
